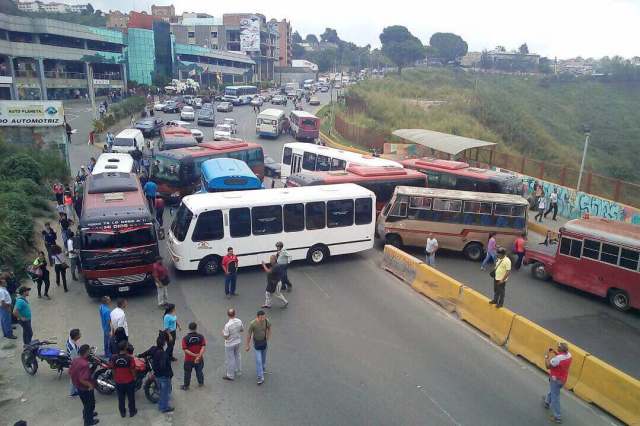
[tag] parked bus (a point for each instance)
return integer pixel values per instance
(174, 137)
(298, 156)
(227, 174)
(240, 95)
(177, 172)
(304, 125)
(117, 238)
(382, 181)
(595, 255)
(460, 220)
(448, 174)
(270, 122)
(113, 162)
(313, 223)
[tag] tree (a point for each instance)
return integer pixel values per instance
(89, 10)
(311, 39)
(401, 47)
(500, 48)
(298, 51)
(523, 49)
(330, 36)
(450, 47)
(296, 38)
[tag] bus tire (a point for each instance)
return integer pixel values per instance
(619, 299)
(393, 240)
(539, 271)
(473, 251)
(210, 265)
(317, 254)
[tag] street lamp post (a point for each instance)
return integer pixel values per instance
(587, 134)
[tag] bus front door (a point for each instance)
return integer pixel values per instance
(296, 163)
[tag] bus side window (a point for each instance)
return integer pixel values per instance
(433, 179)
(239, 222)
(309, 161)
(286, 156)
(465, 184)
(324, 163)
(255, 156)
(266, 220)
(337, 164)
(570, 247)
(209, 226)
(293, 217)
(339, 213)
(315, 215)
(363, 211)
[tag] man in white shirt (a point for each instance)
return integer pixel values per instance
(232, 340)
(5, 308)
(118, 317)
(431, 249)
(541, 206)
(553, 204)
(73, 256)
(284, 258)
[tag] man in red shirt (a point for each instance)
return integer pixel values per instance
(58, 190)
(193, 345)
(161, 277)
(124, 374)
(558, 362)
(81, 378)
(519, 249)
(230, 268)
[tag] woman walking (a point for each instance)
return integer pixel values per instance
(40, 273)
(170, 324)
(491, 251)
(60, 266)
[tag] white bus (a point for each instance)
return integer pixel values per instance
(312, 222)
(113, 162)
(240, 95)
(297, 156)
(270, 122)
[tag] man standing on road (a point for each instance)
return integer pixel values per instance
(22, 312)
(49, 236)
(553, 204)
(159, 207)
(162, 368)
(519, 249)
(72, 254)
(105, 322)
(5, 309)
(431, 249)
(232, 341)
(161, 277)
(124, 375)
(558, 362)
(230, 268)
(72, 351)
(118, 317)
(193, 345)
(500, 276)
(260, 331)
(81, 378)
(150, 191)
(283, 260)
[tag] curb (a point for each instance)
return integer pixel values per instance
(540, 229)
(333, 144)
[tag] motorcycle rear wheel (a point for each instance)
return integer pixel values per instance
(29, 363)
(152, 390)
(104, 375)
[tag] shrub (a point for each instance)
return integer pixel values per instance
(13, 202)
(19, 166)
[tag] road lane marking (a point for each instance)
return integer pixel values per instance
(437, 404)
(317, 285)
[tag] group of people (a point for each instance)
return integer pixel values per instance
(545, 207)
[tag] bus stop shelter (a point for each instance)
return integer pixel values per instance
(442, 142)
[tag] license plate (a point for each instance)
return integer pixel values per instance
(123, 289)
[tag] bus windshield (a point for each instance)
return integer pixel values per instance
(101, 240)
(181, 223)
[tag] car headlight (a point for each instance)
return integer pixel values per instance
(175, 194)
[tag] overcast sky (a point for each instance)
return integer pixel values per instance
(562, 28)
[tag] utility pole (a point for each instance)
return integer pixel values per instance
(587, 134)
(92, 93)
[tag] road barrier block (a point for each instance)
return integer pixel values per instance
(532, 342)
(475, 309)
(400, 264)
(437, 286)
(610, 389)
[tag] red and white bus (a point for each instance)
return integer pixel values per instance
(596, 255)
(304, 125)
(446, 174)
(177, 171)
(382, 181)
(117, 240)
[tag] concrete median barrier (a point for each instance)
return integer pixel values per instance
(530, 341)
(437, 286)
(400, 264)
(610, 389)
(475, 309)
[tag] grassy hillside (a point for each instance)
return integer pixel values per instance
(525, 115)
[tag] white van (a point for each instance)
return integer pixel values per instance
(113, 162)
(270, 122)
(127, 140)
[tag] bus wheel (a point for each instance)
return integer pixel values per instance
(317, 254)
(210, 265)
(539, 271)
(619, 299)
(473, 251)
(393, 240)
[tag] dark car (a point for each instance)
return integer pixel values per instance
(171, 106)
(206, 117)
(271, 168)
(149, 126)
(279, 100)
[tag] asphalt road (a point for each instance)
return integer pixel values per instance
(355, 346)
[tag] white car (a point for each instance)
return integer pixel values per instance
(257, 101)
(159, 106)
(197, 134)
(187, 113)
(232, 123)
(222, 132)
(197, 102)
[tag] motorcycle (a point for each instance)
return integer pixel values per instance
(56, 358)
(106, 385)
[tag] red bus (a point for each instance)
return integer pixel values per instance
(304, 125)
(458, 175)
(596, 255)
(380, 180)
(177, 171)
(117, 239)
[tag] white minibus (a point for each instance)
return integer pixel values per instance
(113, 162)
(312, 222)
(270, 122)
(127, 140)
(297, 156)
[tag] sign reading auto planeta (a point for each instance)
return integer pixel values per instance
(31, 113)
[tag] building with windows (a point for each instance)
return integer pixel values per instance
(200, 31)
(117, 20)
(213, 67)
(165, 13)
(250, 33)
(53, 7)
(285, 45)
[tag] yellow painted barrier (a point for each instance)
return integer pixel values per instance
(610, 389)
(400, 264)
(532, 342)
(475, 309)
(538, 228)
(437, 286)
(330, 142)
